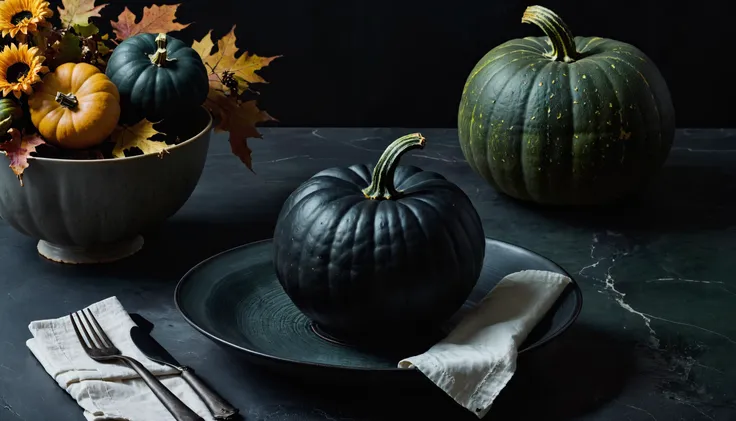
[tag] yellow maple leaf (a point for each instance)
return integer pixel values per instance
(226, 62)
(204, 47)
(137, 136)
(238, 118)
(230, 75)
(78, 12)
(155, 20)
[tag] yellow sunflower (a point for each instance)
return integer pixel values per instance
(19, 69)
(23, 16)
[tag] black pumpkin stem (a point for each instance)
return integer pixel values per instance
(563, 43)
(160, 57)
(382, 183)
(67, 100)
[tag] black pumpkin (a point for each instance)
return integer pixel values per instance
(157, 77)
(368, 252)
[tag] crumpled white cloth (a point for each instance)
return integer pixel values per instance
(107, 391)
(478, 358)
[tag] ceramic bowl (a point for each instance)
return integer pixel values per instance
(93, 211)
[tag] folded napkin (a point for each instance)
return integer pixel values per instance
(107, 391)
(476, 360)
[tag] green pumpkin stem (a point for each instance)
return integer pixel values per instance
(382, 183)
(160, 57)
(67, 100)
(563, 43)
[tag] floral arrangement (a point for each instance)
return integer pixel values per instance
(67, 95)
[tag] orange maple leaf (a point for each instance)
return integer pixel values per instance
(155, 20)
(226, 61)
(19, 149)
(78, 12)
(238, 118)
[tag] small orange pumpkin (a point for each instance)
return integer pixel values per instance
(76, 106)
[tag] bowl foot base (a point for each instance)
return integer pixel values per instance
(103, 253)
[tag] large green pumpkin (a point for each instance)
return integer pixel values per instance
(157, 76)
(369, 253)
(565, 120)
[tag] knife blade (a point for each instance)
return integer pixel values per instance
(142, 322)
(218, 406)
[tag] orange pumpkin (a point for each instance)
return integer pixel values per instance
(76, 106)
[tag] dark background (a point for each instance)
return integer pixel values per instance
(403, 63)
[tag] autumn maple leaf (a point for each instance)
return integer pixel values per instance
(18, 149)
(238, 118)
(226, 63)
(155, 20)
(137, 136)
(78, 12)
(230, 76)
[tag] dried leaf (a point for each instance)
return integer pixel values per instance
(66, 50)
(227, 69)
(137, 136)
(45, 38)
(103, 49)
(78, 12)
(230, 76)
(156, 19)
(240, 119)
(204, 47)
(19, 149)
(85, 31)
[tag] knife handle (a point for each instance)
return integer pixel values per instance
(176, 407)
(218, 406)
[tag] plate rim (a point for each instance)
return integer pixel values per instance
(577, 291)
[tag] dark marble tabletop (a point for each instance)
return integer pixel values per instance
(656, 339)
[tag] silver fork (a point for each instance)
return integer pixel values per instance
(102, 349)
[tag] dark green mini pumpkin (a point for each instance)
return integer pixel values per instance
(373, 252)
(11, 114)
(565, 120)
(157, 76)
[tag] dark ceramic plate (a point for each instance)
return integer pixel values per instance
(235, 299)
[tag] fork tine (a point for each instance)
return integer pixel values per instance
(79, 334)
(103, 344)
(102, 331)
(86, 331)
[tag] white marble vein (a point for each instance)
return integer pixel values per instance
(683, 280)
(609, 284)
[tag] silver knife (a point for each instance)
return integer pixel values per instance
(218, 406)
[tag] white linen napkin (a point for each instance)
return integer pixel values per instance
(478, 357)
(107, 391)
